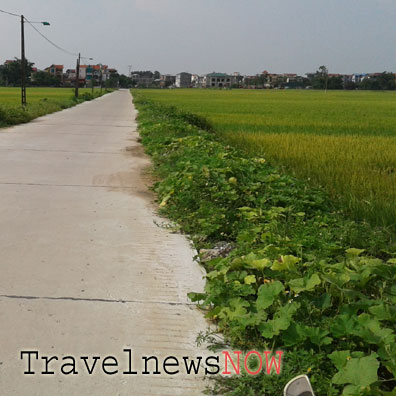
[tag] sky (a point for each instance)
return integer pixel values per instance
(202, 36)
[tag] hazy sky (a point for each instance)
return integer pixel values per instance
(202, 36)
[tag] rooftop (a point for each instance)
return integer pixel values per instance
(217, 75)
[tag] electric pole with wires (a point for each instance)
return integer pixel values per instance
(77, 75)
(23, 58)
(23, 76)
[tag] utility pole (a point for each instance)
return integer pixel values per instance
(77, 75)
(101, 80)
(93, 79)
(23, 70)
(23, 59)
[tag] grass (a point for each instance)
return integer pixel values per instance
(343, 141)
(40, 101)
(302, 277)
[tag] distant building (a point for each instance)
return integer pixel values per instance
(55, 70)
(167, 80)
(100, 73)
(218, 80)
(358, 78)
(183, 80)
(197, 81)
(145, 79)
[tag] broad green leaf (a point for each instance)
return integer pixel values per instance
(370, 330)
(250, 279)
(196, 296)
(236, 309)
(261, 264)
(294, 335)
(253, 262)
(340, 358)
(282, 320)
(285, 263)
(323, 302)
(305, 284)
(352, 390)
(318, 336)
(267, 294)
(343, 325)
(383, 312)
(360, 372)
(352, 252)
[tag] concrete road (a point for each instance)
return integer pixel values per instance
(85, 272)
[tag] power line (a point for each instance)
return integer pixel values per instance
(9, 13)
(51, 42)
(45, 37)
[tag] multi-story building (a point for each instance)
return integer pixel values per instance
(218, 80)
(100, 73)
(183, 80)
(145, 79)
(197, 81)
(167, 80)
(55, 70)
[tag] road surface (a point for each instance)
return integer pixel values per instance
(85, 271)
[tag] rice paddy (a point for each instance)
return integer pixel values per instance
(12, 95)
(342, 141)
(40, 101)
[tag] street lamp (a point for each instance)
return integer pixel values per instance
(23, 77)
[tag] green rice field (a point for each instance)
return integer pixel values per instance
(40, 101)
(340, 140)
(12, 96)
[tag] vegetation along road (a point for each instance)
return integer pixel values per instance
(40, 101)
(303, 275)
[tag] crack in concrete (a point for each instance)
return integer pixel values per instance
(64, 151)
(104, 300)
(89, 125)
(66, 185)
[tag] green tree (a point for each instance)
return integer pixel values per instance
(320, 78)
(335, 82)
(11, 72)
(124, 81)
(44, 79)
(383, 81)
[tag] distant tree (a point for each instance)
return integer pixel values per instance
(335, 82)
(157, 75)
(144, 73)
(366, 83)
(44, 79)
(321, 78)
(11, 72)
(112, 81)
(384, 81)
(124, 81)
(350, 85)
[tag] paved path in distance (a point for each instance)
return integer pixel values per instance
(84, 269)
